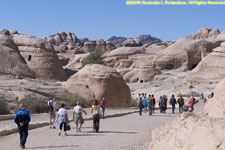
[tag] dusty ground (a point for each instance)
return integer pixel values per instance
(130, 132)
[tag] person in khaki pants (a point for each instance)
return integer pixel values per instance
(95, 110)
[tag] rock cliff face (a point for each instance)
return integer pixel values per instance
(102, 81)
(40, 57)
(100, 43)
(64, 41)
(29, 56)
(211, 68)
(11, 62)
(132, 63)
(185, 54)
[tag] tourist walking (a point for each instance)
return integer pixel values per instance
(161, 104)
(140, 106)
(145, 103)
(192, 102)
(62, 118)
(164, 103)
(102, 105)
(150, 105)
(95, 110)
(173, 102)
(181, 103)
(22, 119)
(153, 99)
(77, 116)
(51, 111)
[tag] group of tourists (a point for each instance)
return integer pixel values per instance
(60, 118)
(148, 103)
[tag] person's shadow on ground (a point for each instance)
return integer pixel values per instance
(52, 147)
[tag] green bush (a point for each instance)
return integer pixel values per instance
(94, 58)
(34, 105)
(71, 99)
(4, 108)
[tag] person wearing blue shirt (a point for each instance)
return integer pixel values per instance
(145, 103)
(22, 119)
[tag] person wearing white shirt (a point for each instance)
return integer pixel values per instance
(77, 116)
(62, 118)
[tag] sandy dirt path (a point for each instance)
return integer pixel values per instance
(130, 132)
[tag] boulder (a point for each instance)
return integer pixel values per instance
(206, 33)
(11, 62)
(104, 82)
(40, 57)
(132, 43)
(210, 69)
(13, 32)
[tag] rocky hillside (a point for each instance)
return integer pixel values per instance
(135, 61)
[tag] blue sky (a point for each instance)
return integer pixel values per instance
(103, 18)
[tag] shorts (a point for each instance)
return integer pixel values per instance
(52, 115)
(78, 118)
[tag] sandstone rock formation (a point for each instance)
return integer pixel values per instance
(11, 62)
(132, 43)
(132, 63)
(104, 82)
(195, 131)
(185, 54)
(76, 62)
(141, 75)
(99, 43)
(64, 41)
(40, 57)
(206, 33)
(211, 68)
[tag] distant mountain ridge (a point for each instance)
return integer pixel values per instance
(144, 38)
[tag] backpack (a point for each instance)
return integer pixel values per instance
(50, 106)
(140, 104)
(102, 103)
(173, 101)
(149, 101)
(181, 101)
